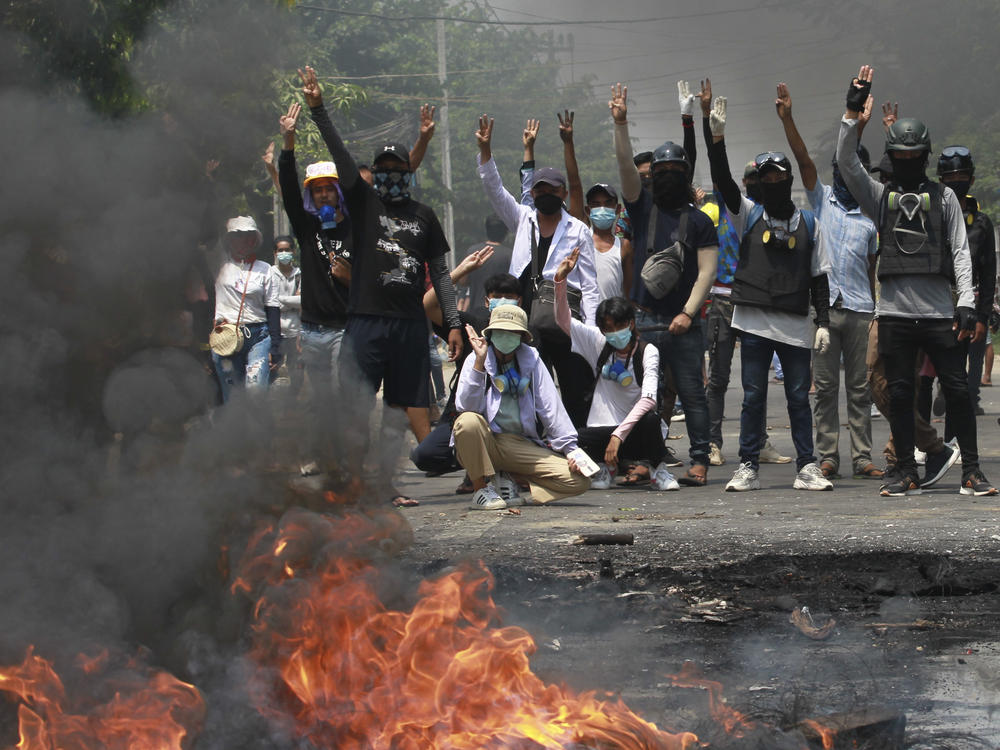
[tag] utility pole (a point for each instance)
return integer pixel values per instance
(449, 215)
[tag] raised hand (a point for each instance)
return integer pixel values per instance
(717, 118)
(705, 97)
(566, 126)
(567, 265)
(530, 133)
(484, 135)
(287, 122)
(619, 103)
(268, 156)
(783, 102)
(685, 99)
(860, 88)
(471, 262)
(427, 123)
(310, 87)
(866, 113)
(479, 344)
(890, 113)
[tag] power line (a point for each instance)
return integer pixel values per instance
(486, 22)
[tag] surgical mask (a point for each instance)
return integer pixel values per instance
(548, 204)
(776, 198)
(500, 302)
(505, 341)
(328, 215)
(961, 188)
(285, 258)
(670, 189)
(843, 195)
(619, 339)
(392, 186)
(908, 173)
(602, 217)
(753, 192)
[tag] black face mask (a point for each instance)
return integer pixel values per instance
(908, 174)
(753, 192)
(670, 190)
(776, 197)
(548, 204)
(844, 196)
(961, 187)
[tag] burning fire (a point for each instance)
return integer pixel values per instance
(355, 674)
(132, 709)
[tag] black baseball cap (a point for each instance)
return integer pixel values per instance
(393, 149)
(549, 175)
(602, 187)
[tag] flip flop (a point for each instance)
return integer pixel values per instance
(402, 501)
(869, 472)
(634, 479)
(693, 480)
(465, 488)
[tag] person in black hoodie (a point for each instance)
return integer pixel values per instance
(393, 236)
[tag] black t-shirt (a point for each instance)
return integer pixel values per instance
(499, 262)
(324, 298)
(392, 242)
(700, 233)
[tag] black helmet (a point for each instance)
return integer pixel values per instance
(772, 160)
(863, 155)
(671, 152)
(908, 134)
(955, 159)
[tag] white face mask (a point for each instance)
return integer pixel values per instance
(505, 342)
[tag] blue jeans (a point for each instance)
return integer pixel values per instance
(320, 354)
(684, 355)
(249, 367)
(755, 360)
(320, 361)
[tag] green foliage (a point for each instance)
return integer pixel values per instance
(983, 139)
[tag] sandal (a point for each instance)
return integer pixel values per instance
(465, 488)
(402, 501)
(692, 479)
(830, 471)
(637, 476)
(869, 472)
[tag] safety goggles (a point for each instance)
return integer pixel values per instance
(951, 151)
(771, 158)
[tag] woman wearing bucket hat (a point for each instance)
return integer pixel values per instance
(246, 338)
(512, 419)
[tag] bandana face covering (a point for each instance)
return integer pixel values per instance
(777, 199)
(392, 186)
(909, 173)
(670, 189)
(841, 192)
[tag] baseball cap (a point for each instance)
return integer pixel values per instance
(602, 187)
(549, 175)
(393, 149)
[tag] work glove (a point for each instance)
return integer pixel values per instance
(965, 317)
(685, 98)
(856, 97)
(822, 342)
(717, 118)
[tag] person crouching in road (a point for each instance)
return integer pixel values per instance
(508, 404)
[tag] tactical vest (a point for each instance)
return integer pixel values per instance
(912, 237)
(778, 278)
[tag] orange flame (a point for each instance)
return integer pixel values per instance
(825, 734)
(731, 720)
(147, 710)
(356, 674)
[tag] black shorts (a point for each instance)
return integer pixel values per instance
(393, 353)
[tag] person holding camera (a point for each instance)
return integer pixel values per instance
(393, 238)
(782, 268)
(679, 242)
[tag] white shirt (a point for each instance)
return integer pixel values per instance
(290, 299)
(261, 292)
(612, 402)
(609, 270)
(775, 325)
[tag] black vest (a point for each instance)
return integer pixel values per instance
(774, 277)
(980, 231)
(914, 245)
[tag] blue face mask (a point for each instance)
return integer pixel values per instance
(285, 258)
(602, 217)
(500, 302)
(505, 342)
(619, 339)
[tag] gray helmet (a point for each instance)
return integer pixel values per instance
(908, 134)
(670, 151)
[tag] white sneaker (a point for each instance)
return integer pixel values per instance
(810, 477)
(875, 413)
(715, 456)
(602, 479)
(920, 457)
(487, 499)
(769, 455)
(663, 480)
(507, 488)
(745, 478)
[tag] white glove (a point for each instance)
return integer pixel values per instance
(685, 98)
(822, 342)
(717, 118)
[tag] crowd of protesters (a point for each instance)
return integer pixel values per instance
(581, 325)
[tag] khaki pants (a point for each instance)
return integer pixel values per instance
(482, 453)
(925, 437)
(848, 337)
